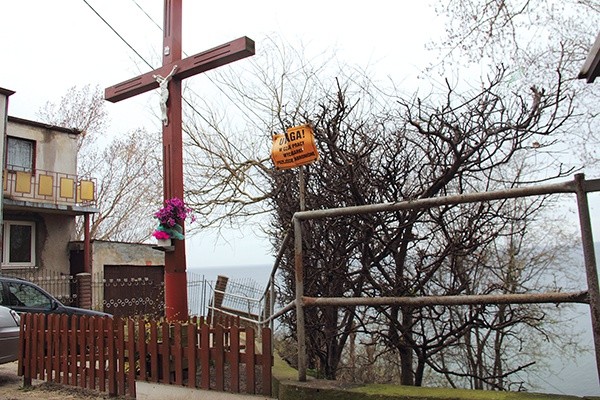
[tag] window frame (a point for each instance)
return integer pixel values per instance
(6, 264)
(13, 167)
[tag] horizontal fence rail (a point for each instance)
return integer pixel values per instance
(110, 354)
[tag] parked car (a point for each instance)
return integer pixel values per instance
(26, 297)
(9, 335)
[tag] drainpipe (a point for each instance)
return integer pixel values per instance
(87, 267)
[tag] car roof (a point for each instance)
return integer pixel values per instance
(13, 278)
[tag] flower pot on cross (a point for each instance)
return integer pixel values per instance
(169, 218)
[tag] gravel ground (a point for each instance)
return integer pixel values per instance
(11, 388)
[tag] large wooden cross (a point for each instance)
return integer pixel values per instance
(168, 78)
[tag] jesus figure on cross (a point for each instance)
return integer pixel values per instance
(174, 70)
(163, 84)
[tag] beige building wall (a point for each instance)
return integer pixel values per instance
(56, 231)
(53, 234)
(55, 150)
(4, 95)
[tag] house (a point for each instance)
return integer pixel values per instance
(42, 196)
(4, 95)
(591, 67)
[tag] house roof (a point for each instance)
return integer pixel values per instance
(43, 125)
(6, 92)
(591, 67)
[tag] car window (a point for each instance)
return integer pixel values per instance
(3, 299)
(24, 295)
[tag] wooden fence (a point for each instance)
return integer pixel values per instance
(110, 354)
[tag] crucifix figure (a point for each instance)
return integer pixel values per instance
(163, 84)
(174, 70)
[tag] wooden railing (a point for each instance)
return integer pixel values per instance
(110, 354)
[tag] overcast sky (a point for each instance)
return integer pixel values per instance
(49, 46)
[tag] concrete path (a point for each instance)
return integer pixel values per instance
(155, 391)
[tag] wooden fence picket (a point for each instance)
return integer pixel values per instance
(72, 339)
(234, 359)
(131, 357)
(192, 354)
(64, 349)
(153, 347)
(178, 353)
(250, 362)
(205, 357)
(102, 361)
(110, 354)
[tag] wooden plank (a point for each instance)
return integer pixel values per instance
(82, 322)
(91, 351)
(267, 361)
(205, 357)
(25, 363)
(64, 349)
(192, 343)
(73, 351)
(112, 373)
(141, 346)
(47, 349)
(34, 345)
(39, 332)
(102, 334)
(48, 346)
(56, 354)
(219, 359)
(166, 375)
(250, 352)
(25, 348)
(131, 356)
(178, 354)
(120, 347)
(192, 65)
(153, 351)
(234, 359)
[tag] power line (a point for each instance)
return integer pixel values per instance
(147, 15)
(149, 65)
(188, 88)
(117, 33)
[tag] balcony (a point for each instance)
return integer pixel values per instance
(48, 188)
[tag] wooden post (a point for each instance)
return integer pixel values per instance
(589, 258)
(168, 78)
(300, 324)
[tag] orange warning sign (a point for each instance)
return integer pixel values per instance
(294, 148)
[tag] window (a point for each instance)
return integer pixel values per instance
(19, 244)
(19, 154)
(23, 295)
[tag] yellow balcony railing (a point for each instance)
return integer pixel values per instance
(49, 187)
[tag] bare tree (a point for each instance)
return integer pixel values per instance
(82, 109)
(129, 188)
(126, 168)
(533, 39)
(378, 146)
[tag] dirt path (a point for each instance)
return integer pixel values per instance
(11, 388)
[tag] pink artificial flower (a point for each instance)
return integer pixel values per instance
(173, 212)
(161, 235)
